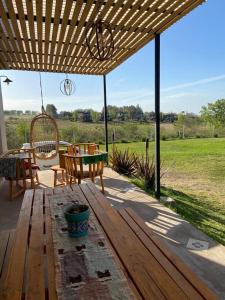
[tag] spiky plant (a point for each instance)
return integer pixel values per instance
(123, 162)
(145, 169)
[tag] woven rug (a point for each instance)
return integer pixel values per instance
(85, 267)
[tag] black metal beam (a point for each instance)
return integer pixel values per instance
(157, 116)
(105, 115)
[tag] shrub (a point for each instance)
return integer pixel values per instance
(164, 138)
(124, 141)
(145, 170)
(123, 162)
(215, 135)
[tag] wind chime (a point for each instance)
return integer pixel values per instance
(67, 86)
(99, 37)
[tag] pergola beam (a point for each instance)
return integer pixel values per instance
(50, 35)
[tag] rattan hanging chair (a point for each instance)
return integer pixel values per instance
(44, 134)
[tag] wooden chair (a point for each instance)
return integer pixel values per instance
(71, 150)
(75, 169)
(24, 170)
(92, 149)
(82, 148)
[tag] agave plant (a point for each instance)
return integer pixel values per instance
(123, 162)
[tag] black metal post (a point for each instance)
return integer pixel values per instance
(105, 115)
(157, 116)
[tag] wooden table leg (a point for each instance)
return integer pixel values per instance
(55, 177)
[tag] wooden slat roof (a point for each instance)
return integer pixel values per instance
(49, 35)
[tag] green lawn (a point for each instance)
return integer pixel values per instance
(195, 177)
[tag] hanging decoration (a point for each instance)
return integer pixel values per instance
(44, 134)
(99, 37)
(67, 87)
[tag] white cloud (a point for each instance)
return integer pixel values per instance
(194, 83)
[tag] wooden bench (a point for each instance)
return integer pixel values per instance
(155, 271)
(6, 241)
(31, 270)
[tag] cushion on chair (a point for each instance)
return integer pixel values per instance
(33, 166)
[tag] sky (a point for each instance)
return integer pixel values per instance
(192, 72)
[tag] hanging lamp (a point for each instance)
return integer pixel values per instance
(67, 86)
(44, 134)
(99, 37)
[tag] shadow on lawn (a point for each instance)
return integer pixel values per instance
(191, 209)
(199, 213)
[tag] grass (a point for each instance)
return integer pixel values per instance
(198, 157)
(195, 178)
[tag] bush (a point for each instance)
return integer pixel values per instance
(123, 162)
(164, 138)
(145, 170)
(215, 135)
(124, 141)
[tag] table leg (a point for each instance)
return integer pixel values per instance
(55, 177)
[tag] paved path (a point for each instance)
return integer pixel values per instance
(208, 264)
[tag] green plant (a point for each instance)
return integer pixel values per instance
(145, 169)
(123, 162)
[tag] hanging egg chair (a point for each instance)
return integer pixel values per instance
(44, 134)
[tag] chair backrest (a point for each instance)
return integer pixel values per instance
(70, 150)
(75, 165)
(62, 158)
(82, 148)
(92, 149)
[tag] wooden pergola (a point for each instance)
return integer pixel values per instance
(50, 36)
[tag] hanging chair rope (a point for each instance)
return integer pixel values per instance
(42, 102)
(44, 134)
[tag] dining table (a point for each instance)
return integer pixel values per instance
(120, 258)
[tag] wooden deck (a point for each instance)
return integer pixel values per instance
(168, 226)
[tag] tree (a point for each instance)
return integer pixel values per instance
(214, 113)
(66, 115)
(96, 116)
(51, 110)
(181, 123)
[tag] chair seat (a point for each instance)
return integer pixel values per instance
(86, 174)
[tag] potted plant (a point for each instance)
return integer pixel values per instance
(77, 216)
